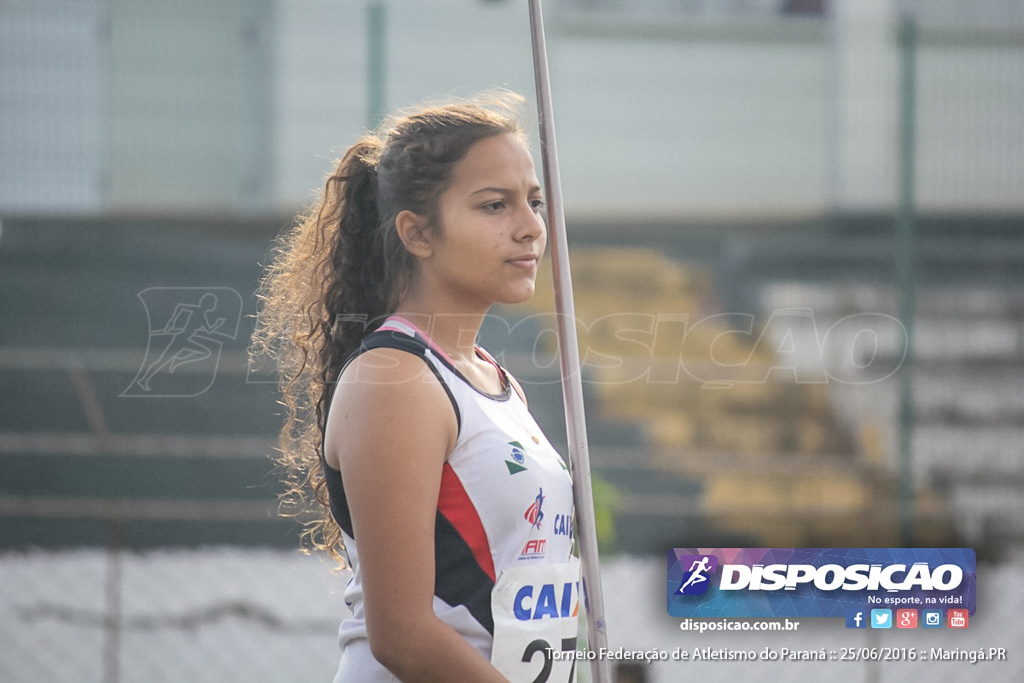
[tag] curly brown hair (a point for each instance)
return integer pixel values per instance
(342, 267)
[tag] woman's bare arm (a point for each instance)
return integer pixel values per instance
(390, 429)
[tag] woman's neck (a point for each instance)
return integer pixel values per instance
(453, 333)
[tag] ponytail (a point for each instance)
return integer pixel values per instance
(324, 285)
(356, 290)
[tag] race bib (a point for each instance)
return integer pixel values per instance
(536, 610)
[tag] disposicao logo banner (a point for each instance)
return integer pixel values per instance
(817, 582)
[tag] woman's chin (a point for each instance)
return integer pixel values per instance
(518, 297)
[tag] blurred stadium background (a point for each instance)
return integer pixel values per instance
(797, 238)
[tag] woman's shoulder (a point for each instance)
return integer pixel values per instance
(382, 389)
(385, 366)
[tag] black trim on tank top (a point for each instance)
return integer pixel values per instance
(386, 339)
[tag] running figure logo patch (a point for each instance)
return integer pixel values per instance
(696, 580)
(534, 514)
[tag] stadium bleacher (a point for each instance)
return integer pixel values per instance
(695, 439)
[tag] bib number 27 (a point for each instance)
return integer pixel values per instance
(543, 647)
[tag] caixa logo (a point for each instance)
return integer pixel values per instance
(549, 600)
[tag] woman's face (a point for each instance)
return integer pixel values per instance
(491, 234)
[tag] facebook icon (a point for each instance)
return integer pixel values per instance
(855, 618)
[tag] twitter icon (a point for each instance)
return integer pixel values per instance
(881, 618)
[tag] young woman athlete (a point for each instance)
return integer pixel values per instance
(435, 484)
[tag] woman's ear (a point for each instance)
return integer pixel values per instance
(414, 232)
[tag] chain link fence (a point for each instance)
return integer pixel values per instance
(168, 615)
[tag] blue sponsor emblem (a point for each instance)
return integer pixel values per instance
(516, 459)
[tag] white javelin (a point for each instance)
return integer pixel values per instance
(568, 353)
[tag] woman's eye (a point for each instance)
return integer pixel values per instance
(537, 204)
(494, 206)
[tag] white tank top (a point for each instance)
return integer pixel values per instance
(505, 501)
